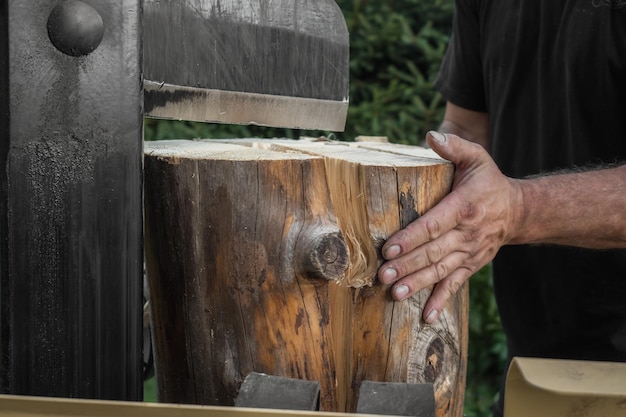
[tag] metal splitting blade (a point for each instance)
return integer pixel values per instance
(281, 63)
(168, 101)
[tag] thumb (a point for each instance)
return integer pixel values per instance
(453, 148)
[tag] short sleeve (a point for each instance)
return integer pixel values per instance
(460, 78)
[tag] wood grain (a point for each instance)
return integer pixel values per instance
(262, 257)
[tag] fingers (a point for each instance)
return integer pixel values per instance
(444, 288)
(443, 291)
(430, 226)
(434, 273)
(420, 258)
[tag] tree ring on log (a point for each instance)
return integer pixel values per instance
(435, 358)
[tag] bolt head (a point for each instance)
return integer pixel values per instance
(75, 28)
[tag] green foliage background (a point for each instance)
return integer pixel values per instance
(396, 48)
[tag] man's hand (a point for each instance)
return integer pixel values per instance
(458, 236)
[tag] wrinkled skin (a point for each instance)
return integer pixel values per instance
(458, 236)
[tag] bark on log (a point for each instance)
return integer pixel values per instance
(262, 257)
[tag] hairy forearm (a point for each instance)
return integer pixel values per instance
(584, 209)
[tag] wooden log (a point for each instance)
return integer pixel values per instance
(262, 257)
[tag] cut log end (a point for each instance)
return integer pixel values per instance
(323, 255)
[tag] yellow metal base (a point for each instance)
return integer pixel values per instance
(553, 388)
(25, 406)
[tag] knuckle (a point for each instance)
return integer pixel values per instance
(441, 271)
(432, 228)
(471, 235)
(448, 289)
(433, 252)
(467, 210)
(471, 269)
(453, 287)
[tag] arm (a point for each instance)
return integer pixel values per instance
(468, 124)
(564, 196)
(486, 210)
(585, 209)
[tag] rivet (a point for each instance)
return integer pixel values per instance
(75, 28)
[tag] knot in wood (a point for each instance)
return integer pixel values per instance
(323, 255)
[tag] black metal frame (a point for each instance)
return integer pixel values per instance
(71, 257)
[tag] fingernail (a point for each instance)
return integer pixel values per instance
(392, 251)
(439, 137)
(401, 291)
(432, 316)
(389, 275)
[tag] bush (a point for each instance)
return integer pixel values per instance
(396, 48)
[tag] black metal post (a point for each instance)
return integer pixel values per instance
(71, 198)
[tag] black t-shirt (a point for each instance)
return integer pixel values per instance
(552, 77)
